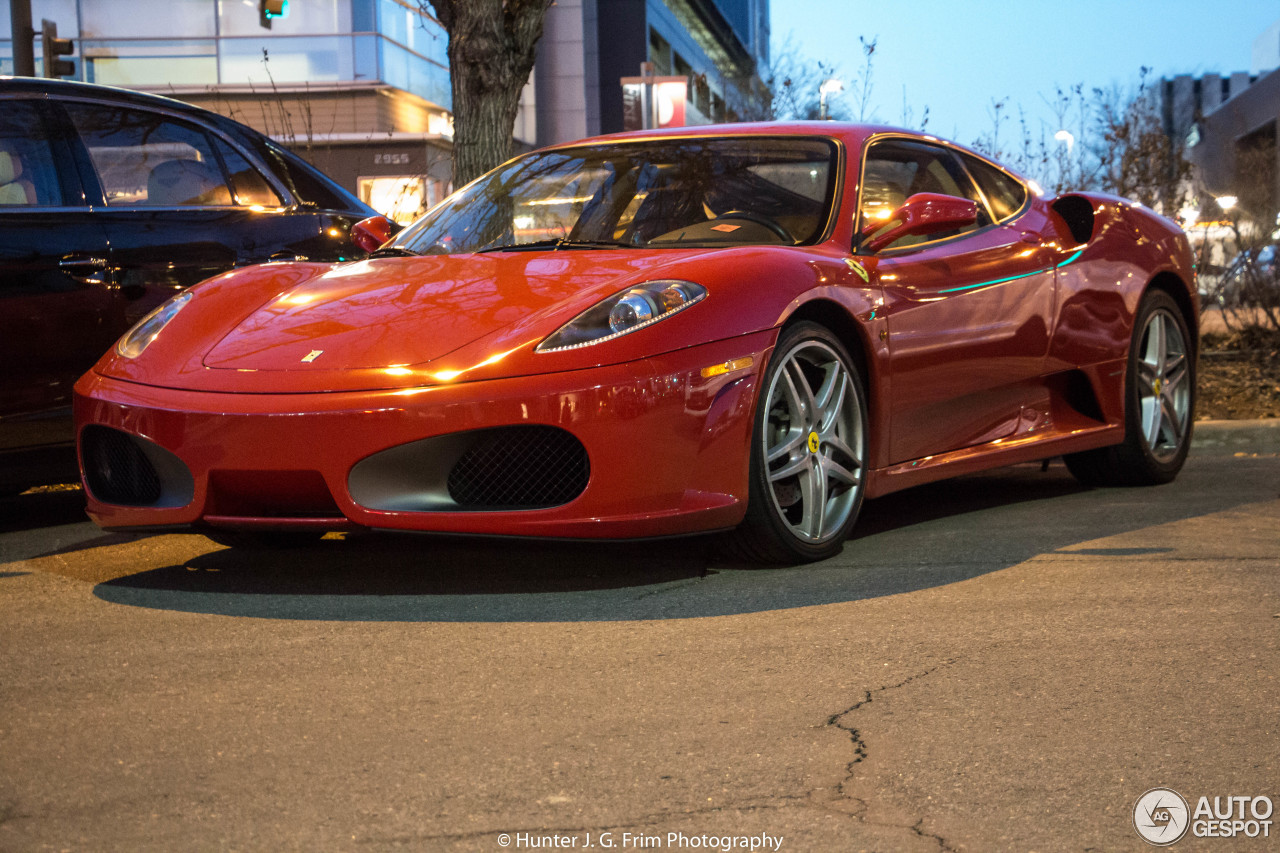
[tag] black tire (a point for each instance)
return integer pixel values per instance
(264, 540)
(1160, 385)
(808, 452)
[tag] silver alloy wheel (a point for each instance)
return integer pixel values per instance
(814, 444)
(1164, 392)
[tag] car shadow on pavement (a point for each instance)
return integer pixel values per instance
(48, 507)
(922, 538)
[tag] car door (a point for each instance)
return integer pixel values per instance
(967, 313)
(162, 197)
(59, 309)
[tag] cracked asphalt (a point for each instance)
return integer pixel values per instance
(1003, 662)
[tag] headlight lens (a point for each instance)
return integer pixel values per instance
(625, 312)
(140, 336)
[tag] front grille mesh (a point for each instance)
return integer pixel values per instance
(521, 467)
(116, 469)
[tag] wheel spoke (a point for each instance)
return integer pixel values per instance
(838, 444)
(795, 466)
(813, 494)
(1172, 420)
(839, 473)
(1151, 415)
(794, 441)
(830, 397)
(1176, 373)
(803, 393)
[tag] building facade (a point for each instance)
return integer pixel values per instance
(720, 46)
(361, 87)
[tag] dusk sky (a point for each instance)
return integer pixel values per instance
(956, 56)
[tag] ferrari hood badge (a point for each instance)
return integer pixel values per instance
(312, 356)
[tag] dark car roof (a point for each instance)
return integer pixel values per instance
(129, 97)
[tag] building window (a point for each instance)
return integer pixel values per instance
(400, 197)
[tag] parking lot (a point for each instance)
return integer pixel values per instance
(1002, 662)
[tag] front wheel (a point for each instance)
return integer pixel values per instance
(808, 451)
(1160, 386)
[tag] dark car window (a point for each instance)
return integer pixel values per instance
(148, 159)
(247, 183)
(1005, 194)
(308, 184)
(895, 170)
(27, 174)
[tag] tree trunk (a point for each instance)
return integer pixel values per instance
(492, 47)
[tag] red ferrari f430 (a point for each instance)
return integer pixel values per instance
(747, 329)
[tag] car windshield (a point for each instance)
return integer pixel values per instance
(659, 193)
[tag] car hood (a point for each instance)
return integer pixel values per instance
(404, 311)
(398, 322)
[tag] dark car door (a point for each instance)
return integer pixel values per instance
(180, 202)
(968, 314)
(170, 216)
(59, 310)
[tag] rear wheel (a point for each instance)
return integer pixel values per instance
(808, 451)
(1159, 401)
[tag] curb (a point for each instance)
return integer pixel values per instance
(1239, 437)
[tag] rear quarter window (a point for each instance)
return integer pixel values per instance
(1005, 194)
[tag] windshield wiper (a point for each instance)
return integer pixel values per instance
(393, 252)
(557, 243)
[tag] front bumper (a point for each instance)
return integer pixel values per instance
(668, 448)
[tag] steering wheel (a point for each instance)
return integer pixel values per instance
(762, 221)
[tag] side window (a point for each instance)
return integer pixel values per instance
(247, 183)
(1005, 194)
(306, 182)
(148, 159)
(28, 177)
(895, 170)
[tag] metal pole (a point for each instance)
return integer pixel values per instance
(24, 55)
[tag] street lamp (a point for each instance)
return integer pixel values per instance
(1226, 202)
(830, 86)
(1065, 137)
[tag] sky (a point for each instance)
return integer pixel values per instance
(956, 57)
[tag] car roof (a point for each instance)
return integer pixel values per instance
(124, 97)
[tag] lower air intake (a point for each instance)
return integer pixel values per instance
(116, 469)
(519, 467)
(129, 470)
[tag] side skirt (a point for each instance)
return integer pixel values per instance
(995, 454)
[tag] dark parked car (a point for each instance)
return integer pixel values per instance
(110, 202)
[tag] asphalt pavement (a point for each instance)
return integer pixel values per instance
(1006, 661)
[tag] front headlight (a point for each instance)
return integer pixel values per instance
(140, 336)
(625, 312)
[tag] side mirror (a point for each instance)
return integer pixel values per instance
(371, 233)
(923, 213)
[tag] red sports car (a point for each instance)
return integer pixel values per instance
(742, 328)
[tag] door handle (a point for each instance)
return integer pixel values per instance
(86, 269)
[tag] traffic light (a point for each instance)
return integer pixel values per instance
(269, 10)
(55, 47)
